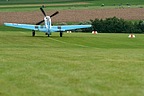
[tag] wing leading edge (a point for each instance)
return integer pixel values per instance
(43, 28)
(24, 26)
(69, 27)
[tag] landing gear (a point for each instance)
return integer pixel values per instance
(46, 33)
(33, 33)
(61, 33)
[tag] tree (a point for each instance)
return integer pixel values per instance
(141, 25)
(117, 25)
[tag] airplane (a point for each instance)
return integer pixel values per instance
(47, 27)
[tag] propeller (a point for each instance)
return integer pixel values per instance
(54, 14)
(43, 11)
(40, 22)
(45, 15)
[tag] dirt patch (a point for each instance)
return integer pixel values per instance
(72, 15)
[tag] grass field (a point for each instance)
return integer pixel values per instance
(32, 5)
(78, 64)
(96, 2)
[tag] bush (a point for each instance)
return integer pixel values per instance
(141, 26)
(117, 25)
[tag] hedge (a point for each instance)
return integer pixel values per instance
(117, 25)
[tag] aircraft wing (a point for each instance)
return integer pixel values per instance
(24, 26)
(43, 28)
(69, 27)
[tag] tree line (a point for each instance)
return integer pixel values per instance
(117, 25)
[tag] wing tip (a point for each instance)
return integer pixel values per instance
(6, 24)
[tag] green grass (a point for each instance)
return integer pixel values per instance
(117, 2)
(9, 2)
(33, 5)
(78, 64)
(96, 2)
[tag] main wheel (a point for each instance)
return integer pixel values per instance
(33, 33)
(46, 33)
(61, 33)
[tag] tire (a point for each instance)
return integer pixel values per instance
(33, 33)
(61, 33)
